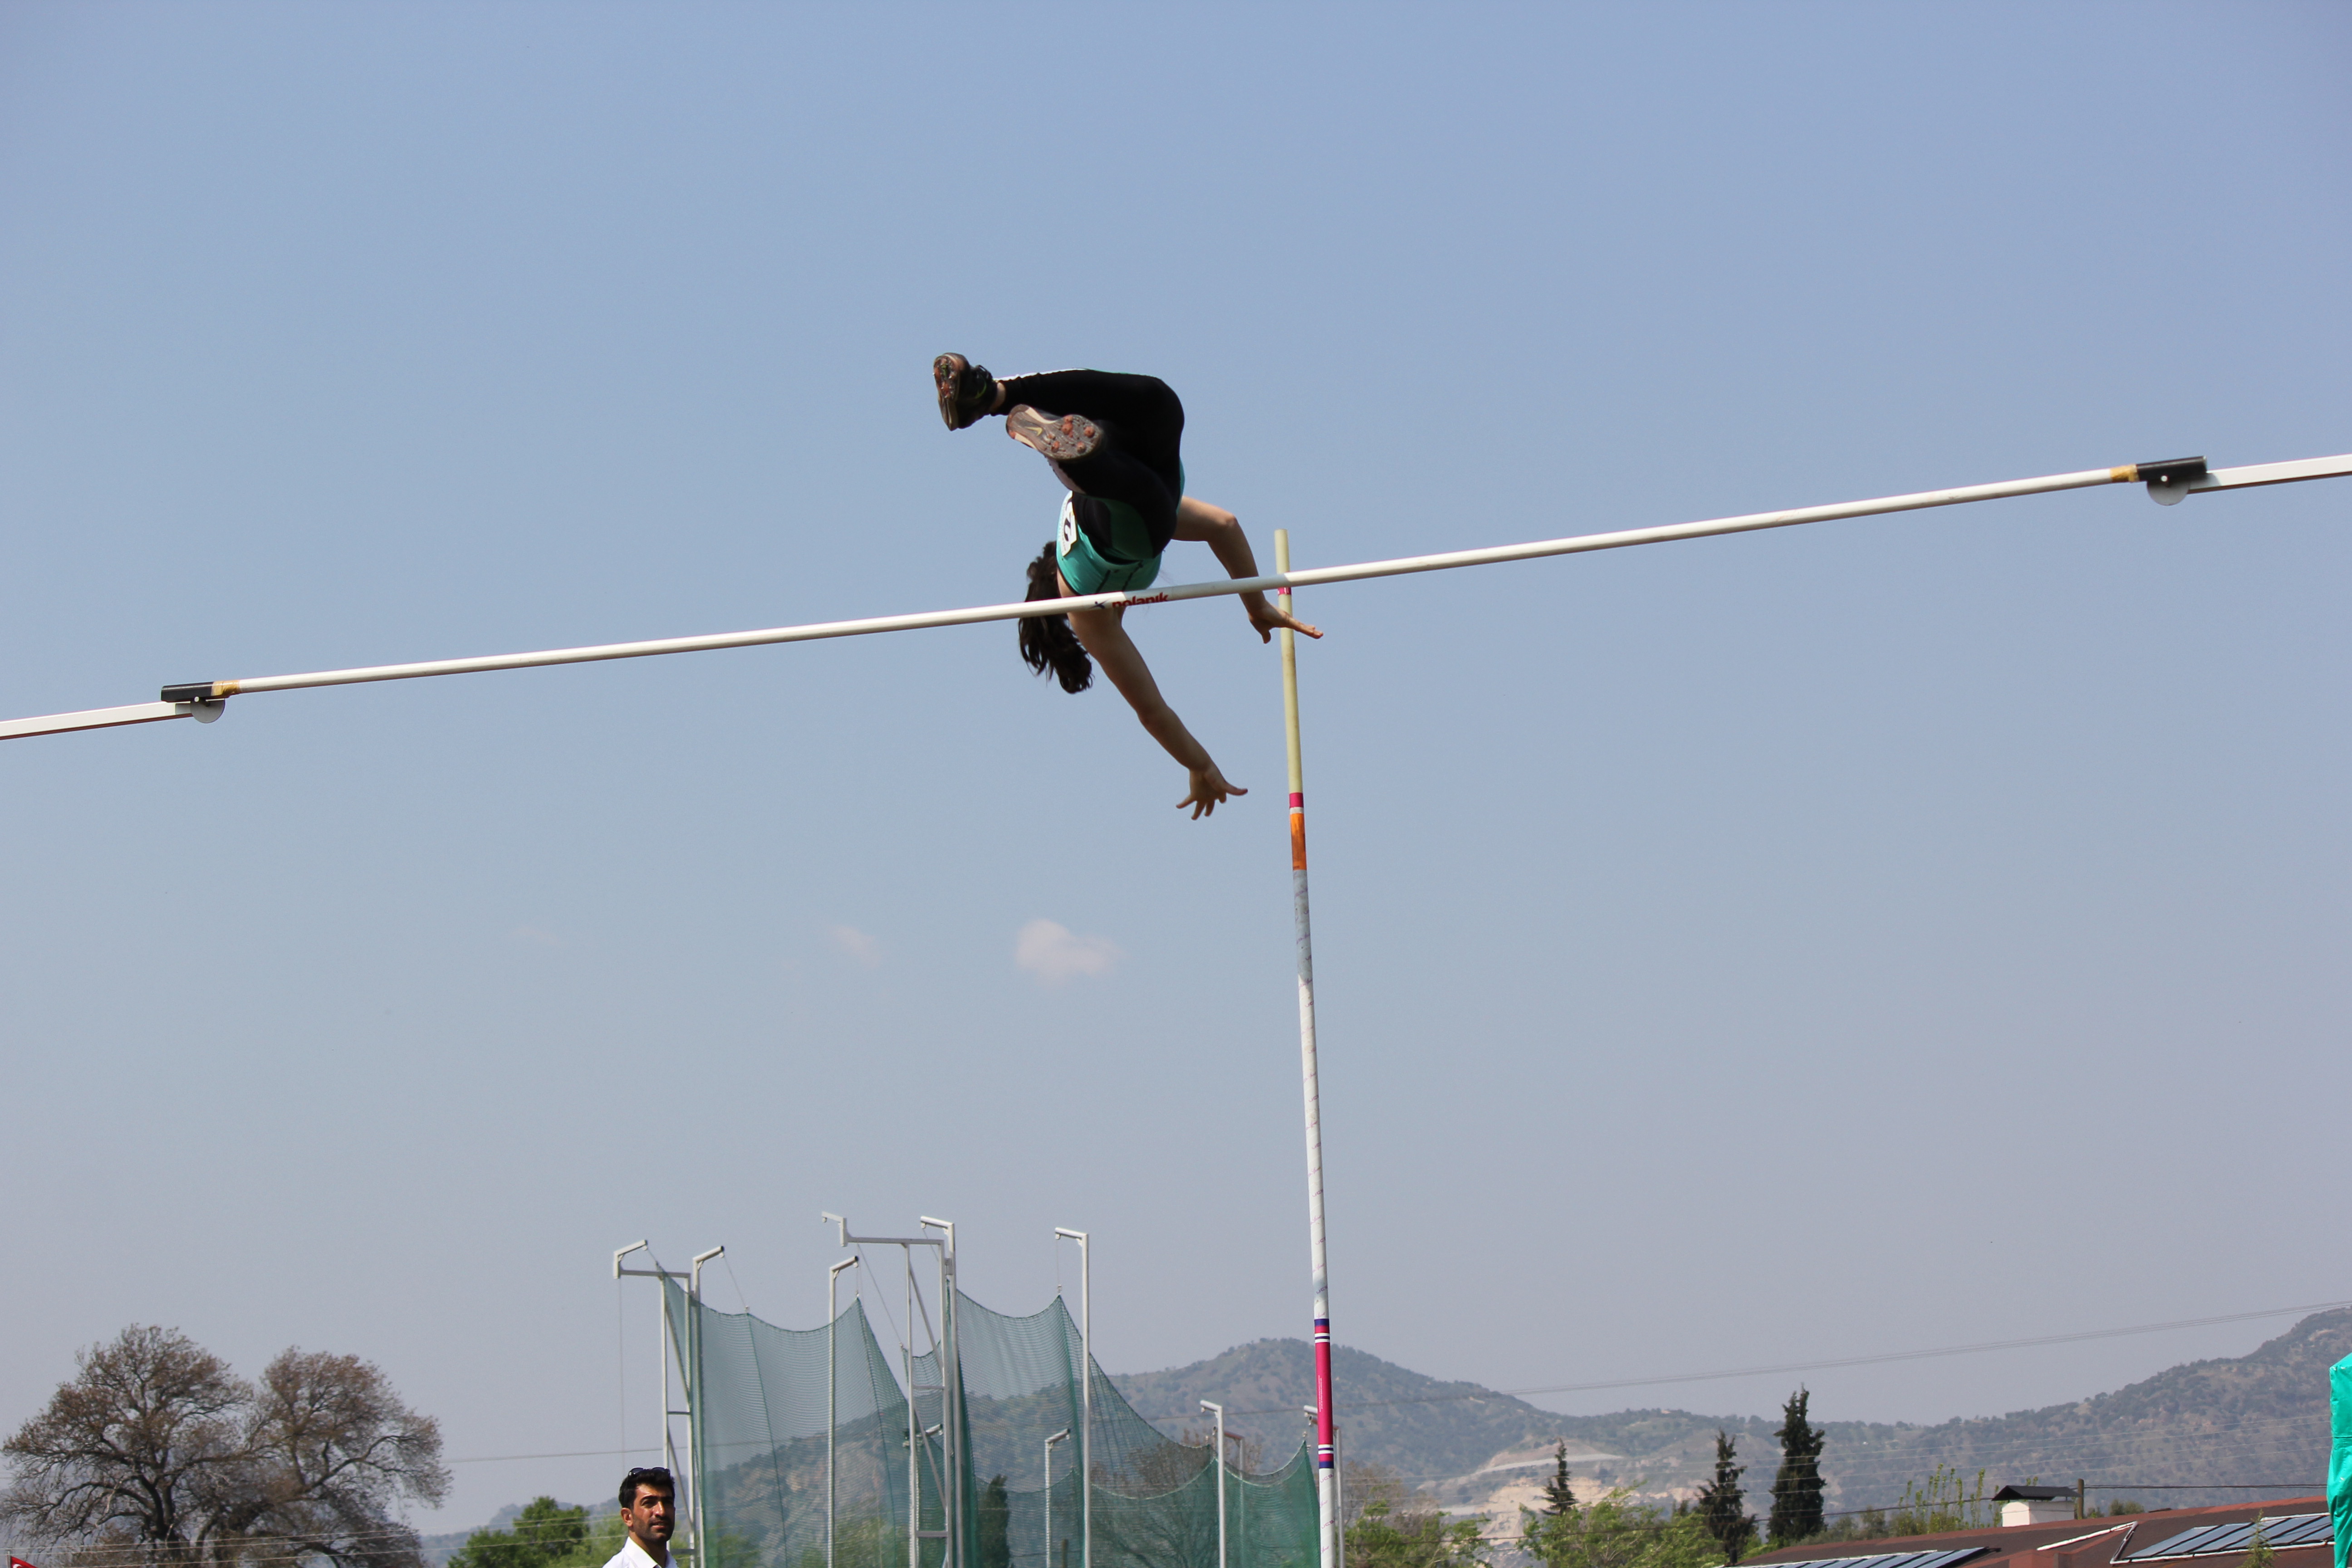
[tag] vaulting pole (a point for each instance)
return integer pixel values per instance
(1327, 1501)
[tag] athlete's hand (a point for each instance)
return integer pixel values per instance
(1269, 620)
(1209, 789)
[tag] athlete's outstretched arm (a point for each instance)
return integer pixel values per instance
(1221, 530)
(1105, 638)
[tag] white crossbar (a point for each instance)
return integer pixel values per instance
(208, 694)
(2273, 474)
(108, 718)
(1267, 584)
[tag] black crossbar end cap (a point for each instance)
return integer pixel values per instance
(194, 691)
(2172, 471)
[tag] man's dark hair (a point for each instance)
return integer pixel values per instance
(652, 1475)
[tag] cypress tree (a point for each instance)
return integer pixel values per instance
(1797, 1488)
(1718, 1507)
(1559, 1499)
(995, 1525)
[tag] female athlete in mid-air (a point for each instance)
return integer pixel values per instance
(1113, 442)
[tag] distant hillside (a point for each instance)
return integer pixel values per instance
(1431, 1433)
(1264, 1387)
(2261, 1417)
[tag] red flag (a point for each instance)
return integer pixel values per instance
(18, 1562)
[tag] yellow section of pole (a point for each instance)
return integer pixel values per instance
(1290, 708)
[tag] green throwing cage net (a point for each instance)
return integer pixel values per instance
(762, 1425)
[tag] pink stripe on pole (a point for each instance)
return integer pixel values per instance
(1323, 1434)
(1298, 800)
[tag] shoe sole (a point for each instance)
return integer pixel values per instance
(947, 372)
(1061, 437)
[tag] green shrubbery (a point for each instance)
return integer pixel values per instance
(1616, 1532)
(545, 1535)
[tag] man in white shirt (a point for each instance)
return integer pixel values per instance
(649, 1512)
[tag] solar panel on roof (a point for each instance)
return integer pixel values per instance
(2213, 1539)
(2297, 1529)
(2233, 1537)
(1894, 1560)
(1950, 1559)
(2182, 1545)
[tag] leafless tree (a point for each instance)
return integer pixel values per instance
(137, 1447)
(1364, 1483)
(335, 1448)
(1136, 1521)
(156, 1456)
(1243, 1452)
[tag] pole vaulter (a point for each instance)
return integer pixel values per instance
(2169, 481)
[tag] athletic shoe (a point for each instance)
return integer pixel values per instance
(1062, 438)
(966, 390)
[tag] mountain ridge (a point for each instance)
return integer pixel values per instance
(2261, 1417)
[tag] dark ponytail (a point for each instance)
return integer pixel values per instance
(1048, 639)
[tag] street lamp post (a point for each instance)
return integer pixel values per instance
(832, 1378)
(1062, 1436)
(689, 1370)
(1085, 1398)
(618, 1254)
(1219, 1411)
(694, 1445)
(951, 1413)
(943, 1346)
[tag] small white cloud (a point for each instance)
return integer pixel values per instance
(865, 949)
(1048, 949)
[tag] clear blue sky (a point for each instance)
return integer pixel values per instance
(1735, 952)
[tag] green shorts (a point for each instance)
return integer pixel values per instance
(1086, 569)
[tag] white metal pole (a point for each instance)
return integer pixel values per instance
(1325, 1444)
(913, 1432)
(1086, 1403)
(694, 1445)
(618, 1254)
(951, 1394)
(1059, 1437)
(915, 1435)
(1244, 1511)
(832, 1379)
(2167, 481)
(1219, 1411)
(668, 1444)
(1086, 1400)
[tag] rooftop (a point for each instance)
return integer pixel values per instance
(2296, 1529)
